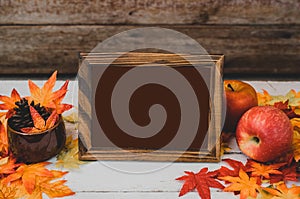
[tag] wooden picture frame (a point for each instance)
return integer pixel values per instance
(91, 138)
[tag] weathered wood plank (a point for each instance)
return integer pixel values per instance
(248, 50)
(150, 12)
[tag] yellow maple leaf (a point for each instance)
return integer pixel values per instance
(225, 148)
(68, 157)
(72, 118)
(292, 97)
(245, 185)
(283, 192)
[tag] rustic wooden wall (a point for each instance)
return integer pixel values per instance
(258, 37)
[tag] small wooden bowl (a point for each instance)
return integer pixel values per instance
(38, 147)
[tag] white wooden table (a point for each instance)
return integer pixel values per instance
(95, 180)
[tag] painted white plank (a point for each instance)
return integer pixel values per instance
(275, 87)
(165, 195)
(95, 180)
(96, 176)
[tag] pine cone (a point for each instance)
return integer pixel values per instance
(22, 117)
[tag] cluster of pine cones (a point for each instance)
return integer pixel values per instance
(22, 117)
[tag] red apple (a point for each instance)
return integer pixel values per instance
(240, 97)
(264, 133)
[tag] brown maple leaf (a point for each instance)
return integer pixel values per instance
(283, 192)
(200, 181)
(9, 102)
(247, 186)
(28, 174)
(262, 170)
(39, 123)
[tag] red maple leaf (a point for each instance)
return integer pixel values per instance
(288, 174)
(289, 111)
(200, 181)
(236, 165)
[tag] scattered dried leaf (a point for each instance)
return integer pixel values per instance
(28, 174)
(72, 118)
(9, 102)
(200, 181)
(247, 186)
(262, 170)
(68, 157)
(8, 192)
(52, 189)
(283, 192)
(236, 165)
(3, 139)
(46, 97)
(8, 165)
(287, 174)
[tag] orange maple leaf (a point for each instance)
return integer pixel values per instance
(243, 184)
(282, 191)
(262, 170)
(263, 97)
(296, 146)
(296, 138)
(39, 123)
(45, 96)
(3, 139)
(8, 165)
(28, 174)
(9, 102)
(52, 189)
(60, 108)
(7, 192)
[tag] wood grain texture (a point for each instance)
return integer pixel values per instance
(270, 49)
(149, 12)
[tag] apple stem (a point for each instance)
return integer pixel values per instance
(256, 140)
(229, 86)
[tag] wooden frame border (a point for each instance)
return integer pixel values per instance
(89, 152)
